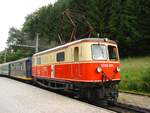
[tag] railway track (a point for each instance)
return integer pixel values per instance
(119, 107)
(134, 93)
(124, 108)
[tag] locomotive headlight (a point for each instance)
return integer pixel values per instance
(106, 39)
(99, 69)
(118, 69)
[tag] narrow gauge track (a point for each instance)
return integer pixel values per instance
(119, 107)
(124, 108)
(134, 93)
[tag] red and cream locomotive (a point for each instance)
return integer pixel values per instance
(89, 67)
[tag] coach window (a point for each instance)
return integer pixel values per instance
(21, 66)
(12, 66)
(76, 54)
(60, 56)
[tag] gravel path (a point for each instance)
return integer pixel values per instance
(17, 97)
(137, 100)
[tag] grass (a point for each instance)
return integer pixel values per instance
(135, 74)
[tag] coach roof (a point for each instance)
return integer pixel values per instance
(20, 60)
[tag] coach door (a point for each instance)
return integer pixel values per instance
(28, 68)
(76, 67)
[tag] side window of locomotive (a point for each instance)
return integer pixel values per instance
(76, 54)
(112, 53)
(38, 60)
(60, 56)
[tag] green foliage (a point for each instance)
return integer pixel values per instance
(2, 57)
(14, 55)
(135, 74)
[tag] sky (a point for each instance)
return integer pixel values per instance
(13, 13)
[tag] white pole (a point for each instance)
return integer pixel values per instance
(37, 43)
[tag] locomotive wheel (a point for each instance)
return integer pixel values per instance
(102, 103)
(112, 101)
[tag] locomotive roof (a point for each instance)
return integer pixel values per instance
(75, 42)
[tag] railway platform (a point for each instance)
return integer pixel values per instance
(18, 97)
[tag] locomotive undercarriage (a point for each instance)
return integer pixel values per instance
(101, 92)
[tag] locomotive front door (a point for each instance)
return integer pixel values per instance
(76, 64)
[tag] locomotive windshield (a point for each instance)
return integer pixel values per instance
(99, 52)
(103, 52)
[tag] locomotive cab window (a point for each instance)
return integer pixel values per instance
(112, 53)
(60, 56)
(99, 52)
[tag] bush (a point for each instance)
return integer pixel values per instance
(135, 74)
(145, 78)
